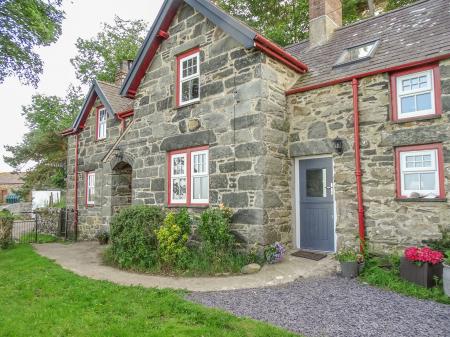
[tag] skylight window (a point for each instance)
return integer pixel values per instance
(357, 53)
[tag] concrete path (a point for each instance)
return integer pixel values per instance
(84, 258)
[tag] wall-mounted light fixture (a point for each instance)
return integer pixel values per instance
(338, 145)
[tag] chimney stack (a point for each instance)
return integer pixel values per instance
(122, 72)
(325, 16)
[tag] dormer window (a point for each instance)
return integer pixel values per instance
(188, 86)
(357, 53)
(102, 118)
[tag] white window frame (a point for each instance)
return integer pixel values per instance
(433, 169)
(178, 176)
(188, 78)
(102, 123)
(401, 94)
(203, 174)
(90, 186)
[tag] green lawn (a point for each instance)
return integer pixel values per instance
(38, 298)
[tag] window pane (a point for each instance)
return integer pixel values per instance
(412, 182)
(315, 183)
(179, 189)
(178, 166)
(408, 104)
(424, 101)
(185, 91)
(199, 163)
(428, 181)
(195, 88)
(200, 188)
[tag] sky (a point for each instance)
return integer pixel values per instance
(84, 19)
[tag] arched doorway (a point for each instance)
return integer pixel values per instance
(121, 191)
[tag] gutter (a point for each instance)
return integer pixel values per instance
(358, 172)
(369, 73)
(279, 54)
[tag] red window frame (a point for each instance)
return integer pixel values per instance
(97, 122)
(86, 189)
(178, 84)
(187, 152)
(437, 92)
(440, 166)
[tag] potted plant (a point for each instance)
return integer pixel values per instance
(102, 236)
(446, 274)
(351, 262)
(274, 253)
(421, 266)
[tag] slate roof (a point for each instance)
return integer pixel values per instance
(9, 178)
(108, 94)
(412, 33)
(117, 102)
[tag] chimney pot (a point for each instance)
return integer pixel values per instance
(325, 16)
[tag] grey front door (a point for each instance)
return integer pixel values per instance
(316, 204)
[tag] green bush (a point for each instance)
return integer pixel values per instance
(172, 239)
(133, 237)
(214, 230)
(6, 228)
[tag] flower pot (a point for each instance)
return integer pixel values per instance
(446, 278)
(422, 275)
(361, 267)
(349, 269)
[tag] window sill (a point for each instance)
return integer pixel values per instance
(421, 200)
(416, 119)
(186, 105)
(190, 206)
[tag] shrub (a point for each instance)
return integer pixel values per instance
(172, 238)
(214, 229)
(6, 227)
(184, 220)
(133, 237)
(102, 236)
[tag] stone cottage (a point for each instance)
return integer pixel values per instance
(339, 137)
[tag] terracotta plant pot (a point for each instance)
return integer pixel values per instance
(422, 275)
(446, 278)
(349, 269)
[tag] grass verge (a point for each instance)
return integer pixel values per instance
(39, 298)
(41, 238)
(384, 272)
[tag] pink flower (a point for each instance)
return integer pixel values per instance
(425, 255)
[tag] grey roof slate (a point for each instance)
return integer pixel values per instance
(117, 102)
(108, 94)
(412, 33)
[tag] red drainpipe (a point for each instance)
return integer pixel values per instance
(358, 172)
(77, 136)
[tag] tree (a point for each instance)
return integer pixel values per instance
(45, 117)
(99, 57)
(24, 25)
(286, 22)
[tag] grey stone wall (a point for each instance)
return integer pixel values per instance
(318, 116)
(91, 155)
(241, 117)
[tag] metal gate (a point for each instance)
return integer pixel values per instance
(47, 226)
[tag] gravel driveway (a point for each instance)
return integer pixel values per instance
(332, 307)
